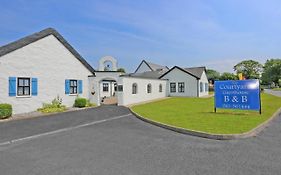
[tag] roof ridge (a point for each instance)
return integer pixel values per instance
(12, 46)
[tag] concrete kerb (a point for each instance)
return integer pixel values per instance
(40, 114)
(251, 133)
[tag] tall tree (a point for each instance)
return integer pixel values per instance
(228, 76)
(249, 68)
(213, 75)
(272, 71)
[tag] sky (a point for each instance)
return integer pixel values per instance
(213, 33)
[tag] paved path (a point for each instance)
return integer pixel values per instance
(130, 146)
(276, 93)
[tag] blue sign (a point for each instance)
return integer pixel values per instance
(240, 94)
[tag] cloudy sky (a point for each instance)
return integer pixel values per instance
(213, 33)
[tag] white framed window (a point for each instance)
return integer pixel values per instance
(23, 86)
(181, 87)
(134, 88)
(173, 87)
(73, 87)
(105, 87)
(149, 88)
(160, 88)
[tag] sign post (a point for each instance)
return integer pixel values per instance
(240, 94)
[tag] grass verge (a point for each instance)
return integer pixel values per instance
(198, 114)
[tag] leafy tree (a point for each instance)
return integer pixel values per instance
(213, 75)
(121, 70)
(249, 68)
(272, 71)
(228, 76)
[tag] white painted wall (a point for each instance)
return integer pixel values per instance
(143, 68)
(110, 89)
(96, 84)
(204, 80)
(126, 97)
(49, 61)
(175, 76)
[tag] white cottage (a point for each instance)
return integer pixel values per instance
(36, 69)
(40, 67)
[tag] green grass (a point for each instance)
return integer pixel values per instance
(198, 114)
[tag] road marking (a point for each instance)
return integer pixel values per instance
(62, 130)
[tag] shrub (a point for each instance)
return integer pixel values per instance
(5, 111)
(80, 102)
(89, 104)
(55, 106)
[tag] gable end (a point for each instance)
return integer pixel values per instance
(39, 35)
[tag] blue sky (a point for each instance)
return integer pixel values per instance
(213, 33)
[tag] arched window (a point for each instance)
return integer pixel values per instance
(134, 88)
(160, 88)
(149, 88)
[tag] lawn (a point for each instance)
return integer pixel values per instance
(198, 114)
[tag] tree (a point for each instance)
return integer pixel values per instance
(121, 70)
(228, 76)
(249, 68)
(213, 75)
(272, 71)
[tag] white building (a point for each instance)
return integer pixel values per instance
(36, 69)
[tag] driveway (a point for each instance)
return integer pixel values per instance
(276, 93)
(126, 145)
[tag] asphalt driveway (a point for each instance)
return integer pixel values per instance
(127, 145)
(276, 93)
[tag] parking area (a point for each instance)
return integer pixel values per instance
(126, 145)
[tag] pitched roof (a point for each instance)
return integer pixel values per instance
(184, 70)
(39, 35)
(197, 71)
(153, 66)
(149, 74)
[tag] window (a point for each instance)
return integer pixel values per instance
(73, 87)
(201, 87)
(149, 88)
(105, 87)
(120, 88)
(160, 88)
(173, 87)
(206, 87)
(134, 88)
(181, 86)
(23, 87)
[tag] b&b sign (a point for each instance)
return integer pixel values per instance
(240, 94)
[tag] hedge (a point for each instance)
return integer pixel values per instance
(80, 102)
(5, 111)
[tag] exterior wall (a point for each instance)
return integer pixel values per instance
(108, 58)
(143, 68)
(126, 97)
(190, 82)
(49, 61)
(110, 89)
(204, 80)
(96, 84)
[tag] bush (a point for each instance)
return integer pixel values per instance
(80, 102)
(55, 106)
(89, 104)
(5, 111)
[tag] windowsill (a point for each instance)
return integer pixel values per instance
(24, 96)
(73, 94)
